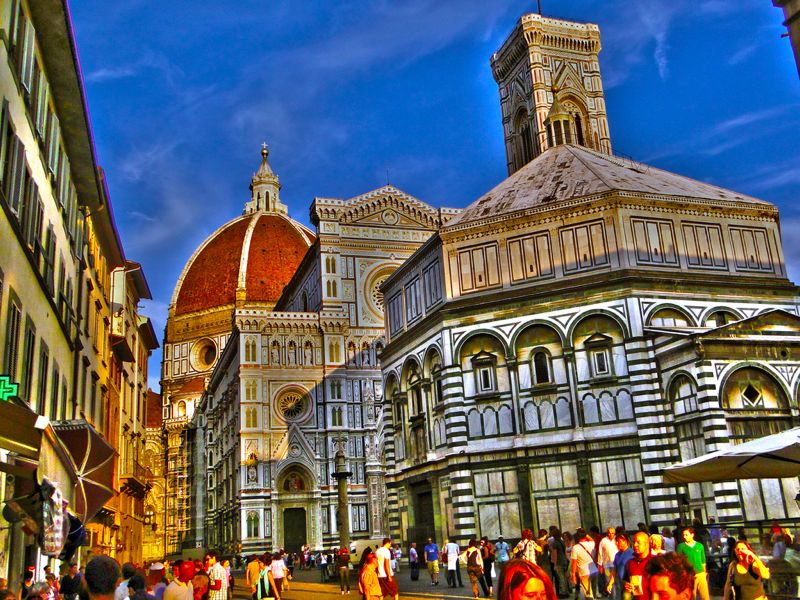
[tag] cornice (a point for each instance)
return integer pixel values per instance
(597, 203)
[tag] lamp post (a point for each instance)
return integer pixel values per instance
(340, 475)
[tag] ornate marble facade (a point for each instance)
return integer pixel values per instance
(301, 377)
(586, 323)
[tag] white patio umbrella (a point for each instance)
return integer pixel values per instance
(773, 456)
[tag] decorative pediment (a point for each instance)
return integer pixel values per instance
(771, 323)
(597, 339)
(389, 207)
(293, 445)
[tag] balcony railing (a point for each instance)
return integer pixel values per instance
(134, 478)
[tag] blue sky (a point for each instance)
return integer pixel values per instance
(182, 93)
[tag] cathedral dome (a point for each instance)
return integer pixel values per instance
(251, 258)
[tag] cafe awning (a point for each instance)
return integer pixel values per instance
(22, 429)
(93, 461)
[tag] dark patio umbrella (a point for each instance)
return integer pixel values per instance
(93, 461)
(772, 456)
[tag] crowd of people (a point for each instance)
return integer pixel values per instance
(208, 579)
(645, 564)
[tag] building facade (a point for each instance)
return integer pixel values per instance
(299, 376)
(599, 320)
(60, 248)
(154, 523)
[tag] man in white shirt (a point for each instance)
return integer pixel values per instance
(385, 573)
(451, 552)
(181, 586)
(605, 557)
(583, 565)
(128, 571)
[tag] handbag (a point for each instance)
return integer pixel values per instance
(593, 570)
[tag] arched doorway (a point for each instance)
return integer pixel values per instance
(294, 529)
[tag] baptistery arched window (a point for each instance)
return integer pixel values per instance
(542, 371)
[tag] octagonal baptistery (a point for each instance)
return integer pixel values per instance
(248, 260)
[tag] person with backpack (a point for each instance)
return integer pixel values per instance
(472, 558)
(584, 568)
(527, 548)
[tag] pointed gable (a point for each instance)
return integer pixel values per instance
(389, 207)
(770, 324)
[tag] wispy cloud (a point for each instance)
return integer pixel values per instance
(743, 53)
(142, 162)
(728, 134)
(639, 31)
(112, 73)
(148, 61)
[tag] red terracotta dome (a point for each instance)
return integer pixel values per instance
(259, 252)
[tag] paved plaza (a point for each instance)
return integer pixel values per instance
(306, 584)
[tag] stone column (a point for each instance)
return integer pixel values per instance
(341, 475)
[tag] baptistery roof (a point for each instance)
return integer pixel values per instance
(255, 254)
(568, 172)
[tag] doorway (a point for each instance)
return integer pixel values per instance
(294, 529)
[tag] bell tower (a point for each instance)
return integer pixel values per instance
(548, 73)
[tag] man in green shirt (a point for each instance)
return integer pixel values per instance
(696, 553)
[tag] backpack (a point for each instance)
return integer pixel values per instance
(472, 559)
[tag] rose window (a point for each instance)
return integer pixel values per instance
(291, 406)
(377, 296)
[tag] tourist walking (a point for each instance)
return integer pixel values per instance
(71, 583)
(278, 570)
(616, 584)
(431, 551)
(451, 554)
(472, 558)
(217, 577)
(669, 541)
(251, 574)
(636, 578)
(560, 561)
(413, 561)
(606, 552)
(368, 583)
(385, 574)
(746, 575)
(343, 568)
(502, 553)
(182, 573)
(696, 553)
(266, 584)
(487, 554)
(583, 567)
(527, 548)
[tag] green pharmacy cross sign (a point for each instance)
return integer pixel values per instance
(7, 389)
